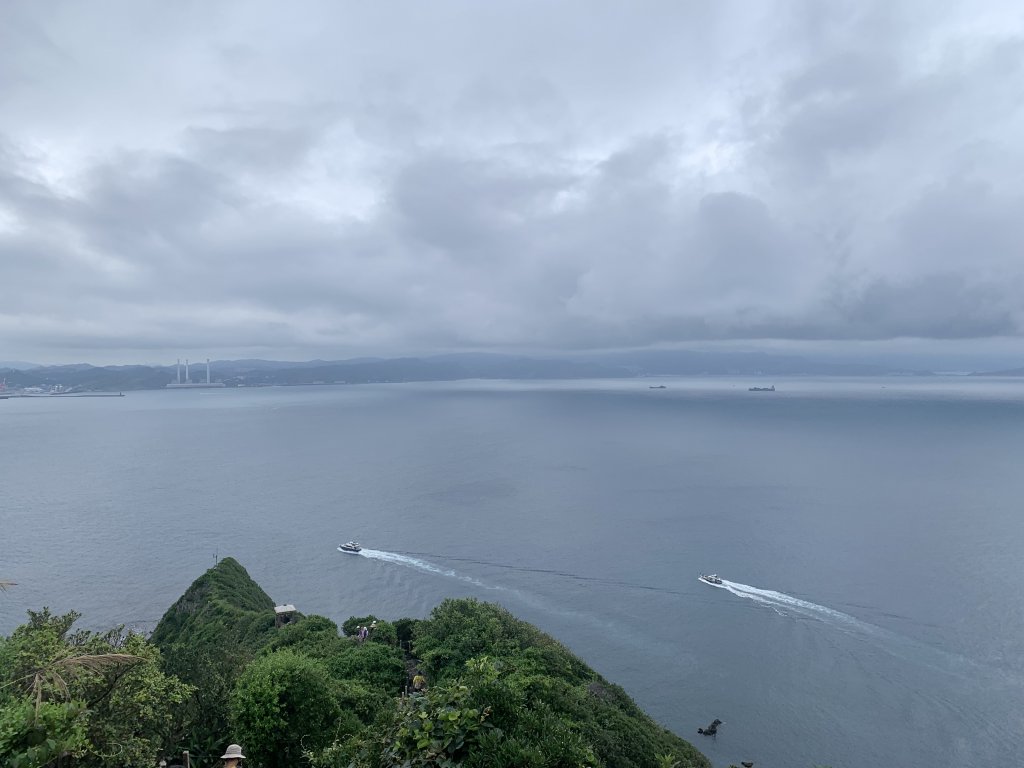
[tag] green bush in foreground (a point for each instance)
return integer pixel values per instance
(284, 704)
(83, 699)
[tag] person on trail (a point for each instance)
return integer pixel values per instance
(233, 756)
(419, 682)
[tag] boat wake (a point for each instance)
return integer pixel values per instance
(421, 565)
(552, 572)
(782, 602)
(891, 642)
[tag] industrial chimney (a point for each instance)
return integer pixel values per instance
(187, 379)
(179, 370)
(207, 370)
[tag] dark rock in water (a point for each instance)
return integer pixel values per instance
(746, 764)
(711, 730)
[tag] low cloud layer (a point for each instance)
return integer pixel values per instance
(326, 179)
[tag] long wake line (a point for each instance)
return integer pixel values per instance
(781, 600)
(551, 572)
(421, 565)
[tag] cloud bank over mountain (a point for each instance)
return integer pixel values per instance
(322, 179)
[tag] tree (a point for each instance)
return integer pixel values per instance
(34, 736)
(372, 664)
(109, 684)
(205, 717)
(435, 730)
(283, 705)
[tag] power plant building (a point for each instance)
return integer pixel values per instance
(188, 383)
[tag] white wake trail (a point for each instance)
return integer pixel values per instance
(781, 600)
(421, 565)
(891, 642)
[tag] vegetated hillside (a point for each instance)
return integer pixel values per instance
(496, 691)
(88, 378)
(542, 698)
(207, 638)
(442, 368)
(222, 605)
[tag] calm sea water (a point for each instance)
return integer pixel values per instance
(870, 532)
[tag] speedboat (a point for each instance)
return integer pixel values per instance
(710, 578)
(351, 546)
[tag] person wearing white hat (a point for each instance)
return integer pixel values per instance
(233, 756)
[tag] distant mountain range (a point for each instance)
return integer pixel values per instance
(451, 367)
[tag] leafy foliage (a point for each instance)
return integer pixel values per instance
(438, 729)
(284, 704)
(101, 697)
(33, 737)
(376, 665)
(546, 696)
(459, 630)
(372, 664)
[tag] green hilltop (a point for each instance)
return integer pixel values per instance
(224, 604)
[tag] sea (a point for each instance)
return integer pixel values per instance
(869, 533)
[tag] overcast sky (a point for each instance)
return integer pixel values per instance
(306, 179)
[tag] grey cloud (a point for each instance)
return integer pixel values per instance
(856, 177)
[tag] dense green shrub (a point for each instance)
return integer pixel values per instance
(384, 632)
(100, 698)
(372, 664)
(547, 695)
(34, 736)
(283, 704)
(313, 636)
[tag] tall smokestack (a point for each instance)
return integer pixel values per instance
(207, 370)
(187, 379)
(179, 370)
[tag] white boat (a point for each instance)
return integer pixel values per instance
(710, 578)
(351, 546)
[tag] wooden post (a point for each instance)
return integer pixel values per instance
(188, 763)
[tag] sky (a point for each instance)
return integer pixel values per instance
(330, 179)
